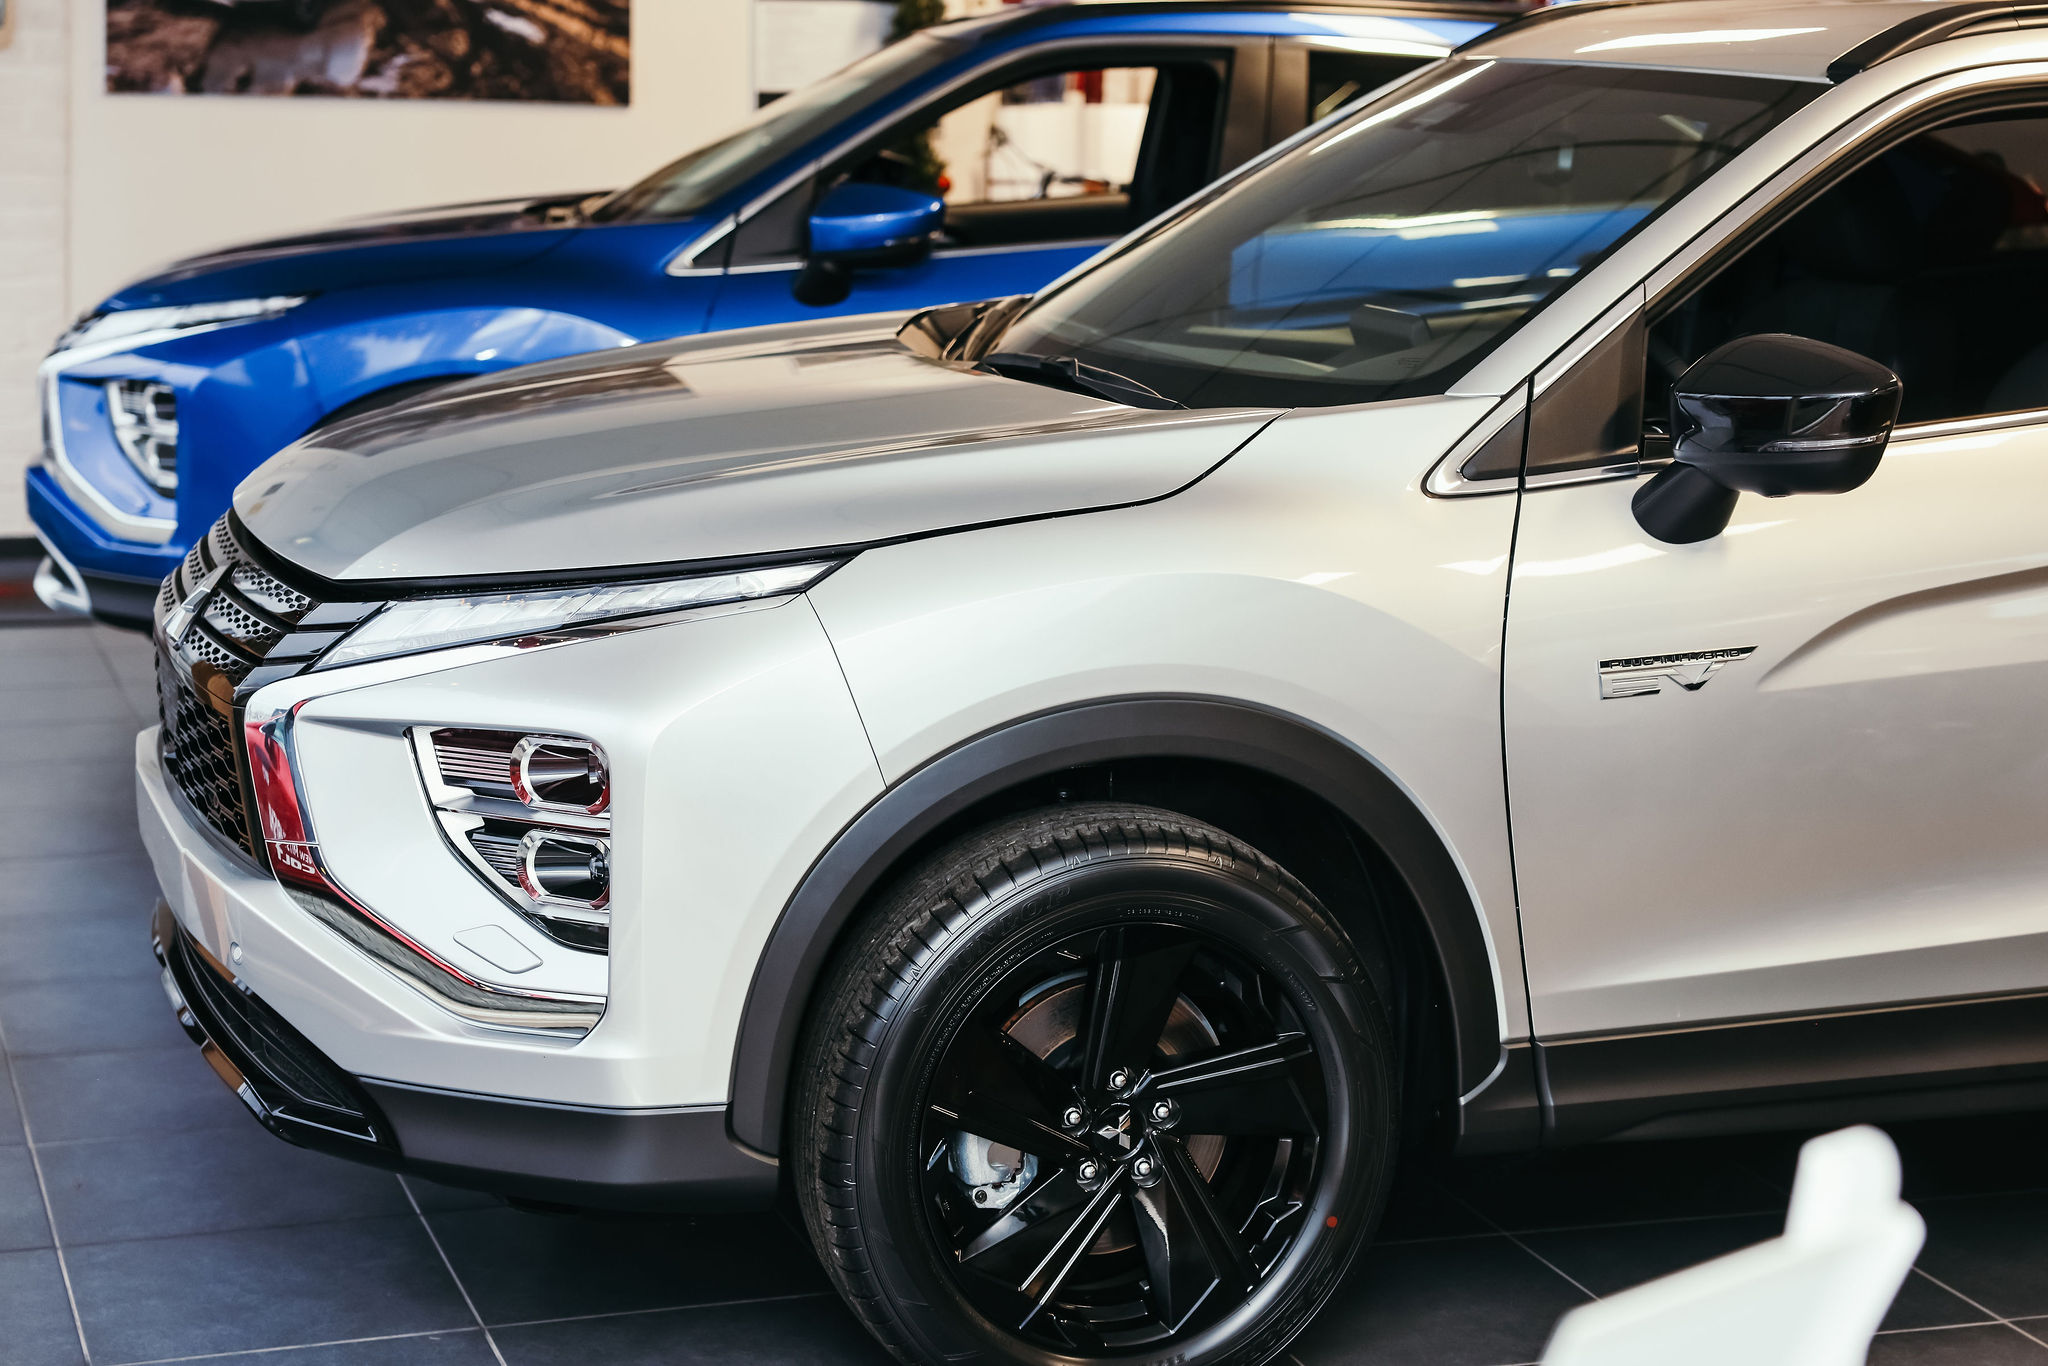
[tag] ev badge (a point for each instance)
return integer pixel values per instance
(1642, 677)
(180, 619)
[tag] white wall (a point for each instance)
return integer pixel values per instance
(135, 181)
(34, 193)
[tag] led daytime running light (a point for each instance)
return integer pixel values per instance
(411, 625)
(98, 329)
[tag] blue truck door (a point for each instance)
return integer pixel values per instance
(1043, 159)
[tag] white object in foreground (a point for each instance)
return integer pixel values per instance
(1813, 1297)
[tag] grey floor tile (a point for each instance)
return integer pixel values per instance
(34, 744)
(35, 1316)
(154, 1092)
(235, 1292)
(23, 1224)
(420, 1349)
(1464, 1302)
(117, 1013)
(110, 830)
(1420, 1207)
(46, 885)
(76, 946)
(59, 638)
(519, 1266)
(166, 1185)
(812, 1330)
(10, 1118)
(96, 697)
(1611, 1183)
(1992, 1249)
(435, 1198)
(1608, 1260)
(1986, 1345)
(28, 670)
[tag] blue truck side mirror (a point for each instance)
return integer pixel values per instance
(860, 226)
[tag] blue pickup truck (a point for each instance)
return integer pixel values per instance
(975, 159)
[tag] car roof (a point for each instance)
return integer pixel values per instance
(1818, 40)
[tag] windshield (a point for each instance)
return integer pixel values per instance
(1383, 258)
(690, 184)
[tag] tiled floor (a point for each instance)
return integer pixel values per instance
(145, 1218)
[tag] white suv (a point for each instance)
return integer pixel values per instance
(1066, 786)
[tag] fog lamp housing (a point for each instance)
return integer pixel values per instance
(529, 812)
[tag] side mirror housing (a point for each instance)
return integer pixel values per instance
(1771, 414)
(860, 226)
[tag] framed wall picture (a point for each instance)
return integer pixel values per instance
(562, 51)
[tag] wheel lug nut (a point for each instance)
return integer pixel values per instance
(1119, 1079)
(1145, 1172)
(1088, 1170)
(1073, 1117)
(1163, 1111)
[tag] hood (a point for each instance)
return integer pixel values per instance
(777, 440)
(457, 239)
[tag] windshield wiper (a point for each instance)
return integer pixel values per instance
(1066, 372)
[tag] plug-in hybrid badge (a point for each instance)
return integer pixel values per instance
(1649, 674)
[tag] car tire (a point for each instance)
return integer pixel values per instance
(1118, 986)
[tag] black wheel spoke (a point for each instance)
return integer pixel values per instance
(1133, 984)
(1176, 1265)
(1246, 1091)
(1017, 1239)
(1224, 1245)
(997, 1088)
(1052, 1270)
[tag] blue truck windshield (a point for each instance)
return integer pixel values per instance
(691, 183)
(1384, 257)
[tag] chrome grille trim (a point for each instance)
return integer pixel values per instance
(250, 610)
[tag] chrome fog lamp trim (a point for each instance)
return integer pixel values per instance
(535, 880)
(547, 615)
(552, 751)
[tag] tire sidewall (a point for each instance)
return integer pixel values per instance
(1266, 925)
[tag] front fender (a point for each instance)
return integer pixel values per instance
(1283, 747)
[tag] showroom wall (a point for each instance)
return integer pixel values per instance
(100, 187)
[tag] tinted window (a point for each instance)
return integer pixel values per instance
(1931, 259)
(1335, 79)
(689, 184)
(1383, 258)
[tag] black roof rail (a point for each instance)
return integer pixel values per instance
(1924, 30)
(1544, 15)
(1033, 15)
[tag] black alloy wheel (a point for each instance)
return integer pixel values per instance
(1101, 1082)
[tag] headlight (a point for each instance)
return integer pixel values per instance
(107, 331)
(415, 624)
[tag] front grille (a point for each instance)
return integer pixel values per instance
(199, 752)
(249, 611)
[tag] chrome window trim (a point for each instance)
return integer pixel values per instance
(1964, 426)
(685, 261)
(1445, 480)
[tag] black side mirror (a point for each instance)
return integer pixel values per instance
(1770, 414)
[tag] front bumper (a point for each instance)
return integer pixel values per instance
(220, 910)
(88, 570)
(574, 1155)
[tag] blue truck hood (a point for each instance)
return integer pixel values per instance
(456, 239)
